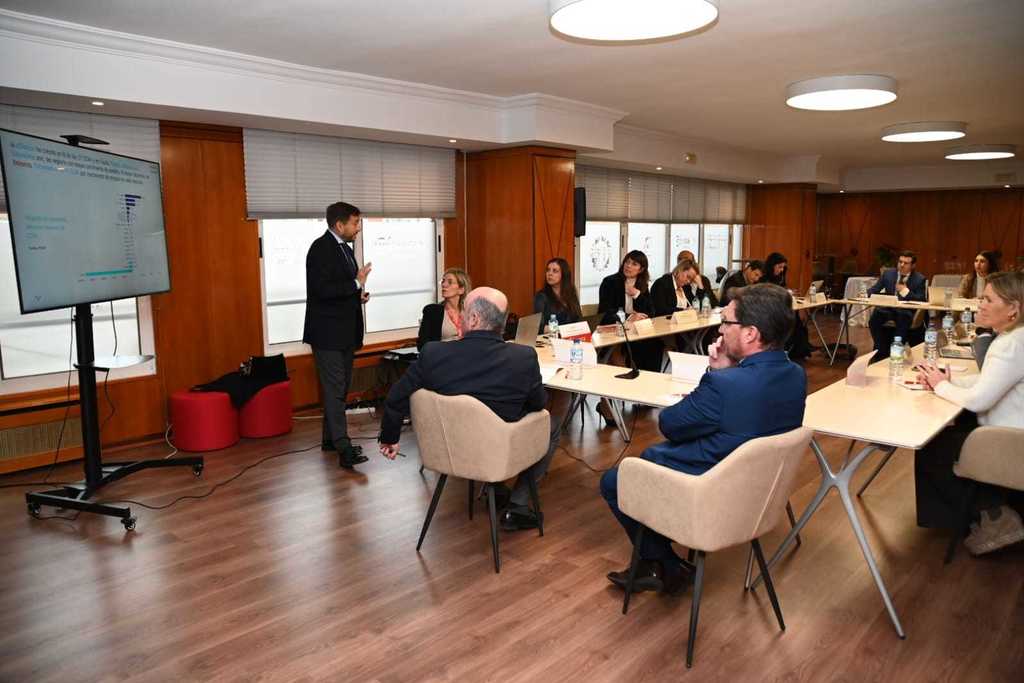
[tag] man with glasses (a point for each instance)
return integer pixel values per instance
(751, 390)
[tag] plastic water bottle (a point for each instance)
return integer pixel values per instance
(620, 315)
(862, 291)
(948, 327)
(811, 292)
(705, 308)
(947, 298)
(965, 320)
(931, 343)
(553, 327)
(576, 360)
(896, 360)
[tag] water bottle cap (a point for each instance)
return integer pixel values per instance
(575, 342)
(898, 339)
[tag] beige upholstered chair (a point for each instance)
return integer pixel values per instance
(460, 436)
(737, 501)
(990, 455)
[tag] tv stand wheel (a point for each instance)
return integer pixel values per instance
(33, 509)
(197, 469)
(129, 523)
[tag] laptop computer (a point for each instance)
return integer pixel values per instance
(937, 296)
(526, 332)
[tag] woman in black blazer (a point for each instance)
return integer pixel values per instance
(559, 297)
(628, 289)
(664, 299)
(443, 321)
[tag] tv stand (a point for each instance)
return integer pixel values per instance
(97, 475)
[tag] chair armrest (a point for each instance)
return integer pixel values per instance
(993, 455)
(662, 499)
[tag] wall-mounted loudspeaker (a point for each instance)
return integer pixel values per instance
(579, 208)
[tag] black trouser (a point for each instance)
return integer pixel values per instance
(883, 336)
(335, 371)
(940, 492)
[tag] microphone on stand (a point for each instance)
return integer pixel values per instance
(634, 373)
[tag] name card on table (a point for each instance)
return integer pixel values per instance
(561, 347)
(580, 330)
(645, 326)
(884, 299)
(960, 304)
(688, 367)
(857, 373)
(687, 317)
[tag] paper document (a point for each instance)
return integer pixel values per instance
(561, 347)
(548, 372)
(688, 367)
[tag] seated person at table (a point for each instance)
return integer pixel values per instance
(677, 290)
(704, 284)
(559, 297)
(504, 377)
(628, 289)
(776, 267)
(907, 285)
(993, 397)
(752, 390)
(750, 275)
(972, 286)
(443, 321)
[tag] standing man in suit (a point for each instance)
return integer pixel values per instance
(751, 390)
(504, 377)
(335, 294)
(907, 285)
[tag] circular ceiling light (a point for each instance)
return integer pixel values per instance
(841, 93)
(630, 20)
(980, 152)
(925, 131)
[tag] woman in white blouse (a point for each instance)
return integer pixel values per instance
(995, 396)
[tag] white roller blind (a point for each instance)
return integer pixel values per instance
(138, 138)
(290, 175)
(614, 194)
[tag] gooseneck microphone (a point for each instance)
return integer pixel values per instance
(634, 373)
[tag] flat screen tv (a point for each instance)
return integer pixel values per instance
(86, 226)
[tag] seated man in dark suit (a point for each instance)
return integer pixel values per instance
(751, 390)
(504, 377)
(907, 285)
(750, 275)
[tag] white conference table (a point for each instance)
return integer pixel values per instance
(887, 417)
(865, 304)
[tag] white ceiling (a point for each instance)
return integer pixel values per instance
(953, 59)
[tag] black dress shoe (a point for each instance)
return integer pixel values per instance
(348, 457)
(651, 576)
(518, 518)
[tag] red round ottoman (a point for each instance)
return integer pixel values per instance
(268, 413)
(203, 420)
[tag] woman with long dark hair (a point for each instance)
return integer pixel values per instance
(558, 297)
(973, 284)
(775, 268)
(628, 289)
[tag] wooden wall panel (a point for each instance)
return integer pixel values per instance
(782, 218)
(946, 228)
(554, 180)
(455, 248)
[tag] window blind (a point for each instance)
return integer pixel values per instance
(292, 175)
(618, 195)
(138, 138)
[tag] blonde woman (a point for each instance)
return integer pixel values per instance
(993, 397)
(443, 321)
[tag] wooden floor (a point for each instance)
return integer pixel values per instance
(301, 571)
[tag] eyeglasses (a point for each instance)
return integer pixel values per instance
(731, 322)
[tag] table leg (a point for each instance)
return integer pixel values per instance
(620, 422)
(841, 481)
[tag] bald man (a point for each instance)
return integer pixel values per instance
(504, 377)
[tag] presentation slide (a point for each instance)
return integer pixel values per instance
(87, 226)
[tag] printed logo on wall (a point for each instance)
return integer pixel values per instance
(601, 254)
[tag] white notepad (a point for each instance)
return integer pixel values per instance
(688, 367)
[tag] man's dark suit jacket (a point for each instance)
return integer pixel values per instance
(887, 285)
(504, 377)
(663, 295)
(731, 282)
(334, 311)
(763, 395)
(612, 296)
